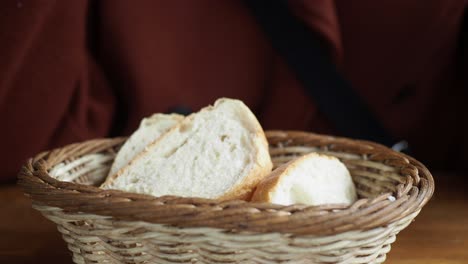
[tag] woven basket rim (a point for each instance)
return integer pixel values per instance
(234, 215)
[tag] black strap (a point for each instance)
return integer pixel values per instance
(304, 54)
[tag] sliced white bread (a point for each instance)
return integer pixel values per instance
(220, 152)
(312, 179)
(150, 129)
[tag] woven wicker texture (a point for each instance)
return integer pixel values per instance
(107, 226)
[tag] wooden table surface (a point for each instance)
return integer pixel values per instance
(439, 234)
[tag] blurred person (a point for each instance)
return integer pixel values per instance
(77, 70)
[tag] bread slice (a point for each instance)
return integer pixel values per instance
(312, 179)
(220, 152)
(150, 129)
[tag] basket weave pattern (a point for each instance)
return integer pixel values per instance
(108, 226)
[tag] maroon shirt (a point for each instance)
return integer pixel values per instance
(71, 70)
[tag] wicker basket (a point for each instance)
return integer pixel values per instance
(107, 226)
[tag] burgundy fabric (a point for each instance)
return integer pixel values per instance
(75, 70)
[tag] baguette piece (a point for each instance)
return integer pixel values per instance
(150, 129)
(220, 152)
(312, 179)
